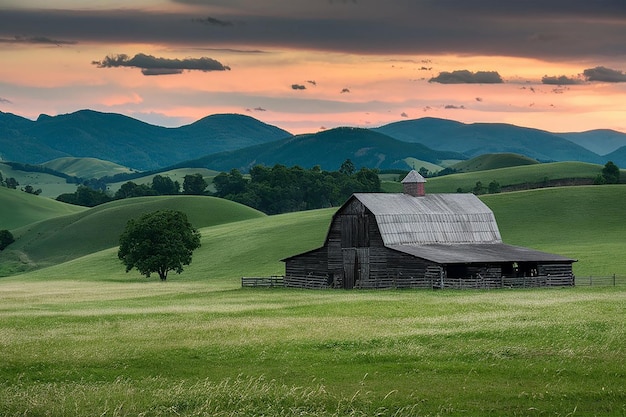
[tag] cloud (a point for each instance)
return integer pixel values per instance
(545, 29)
(345, 90)
(298, 87)
(211, 21)
(259, 109)
(5, 101)
(151, 65)
(312, 82)
(561, 80)
(467, 77)
(403, 114)
(604, 74)
(479, 99)
(453, 107)
(36, 40)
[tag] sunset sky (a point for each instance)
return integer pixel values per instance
(306, 65)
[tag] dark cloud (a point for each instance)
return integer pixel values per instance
(345, 90)
(453, 107)
(555, 29)
(36, 40)
(604, 74)
(403, 114)
(560, 80)
(5, 101)
(259, 109)
(467, 77)
(479, 99)
(151, 65)
(298, 87)
(312, 82)
(211, 21)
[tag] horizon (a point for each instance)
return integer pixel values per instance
(311, 65)
(303, 133)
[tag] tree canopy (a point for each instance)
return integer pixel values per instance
(160, 241)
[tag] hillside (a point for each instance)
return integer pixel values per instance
(493, 161)
(600, 141)
(60, 239)
(618, 156)
(18, 208)
(86, 167)
(127, 141)
(328, 149)
(516, 177)
(484, 138)
(564, 220)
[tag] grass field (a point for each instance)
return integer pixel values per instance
(84, 338)
(85, 348)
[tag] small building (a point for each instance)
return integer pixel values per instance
(418, 240)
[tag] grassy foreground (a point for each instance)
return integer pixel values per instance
(84, 348)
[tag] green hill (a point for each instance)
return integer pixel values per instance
(127, 141)
(18, 208)
(60, 239)
(328, 149)
(481, 138)
(86, 167)
(493, 161)
(518, 177)
(581, 222)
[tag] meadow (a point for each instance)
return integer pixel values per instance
(82, 337)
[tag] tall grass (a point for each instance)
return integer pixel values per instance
(198, 348)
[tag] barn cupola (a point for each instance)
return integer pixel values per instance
(413, 184)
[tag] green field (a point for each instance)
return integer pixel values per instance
(510, 176)
(85, 338)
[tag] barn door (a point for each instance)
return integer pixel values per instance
(350, 268)
(355, 266)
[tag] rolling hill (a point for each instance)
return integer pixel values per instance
(564, 220)
(600, 141)
(493, 161)
(60, 239)
(328, 149)
(18, 208)
(483, 138)
(86, 167)
(126, 141)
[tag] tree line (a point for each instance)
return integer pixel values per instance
(272, 190)
(280, 189)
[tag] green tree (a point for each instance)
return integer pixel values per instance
(165, 185)
(347, 167)
(6, 238)
(494, 187)
(478, 188)
(610, 173)
(160, 242)
(194, 184)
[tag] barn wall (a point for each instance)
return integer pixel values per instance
(309, 270)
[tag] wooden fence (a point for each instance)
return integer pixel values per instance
(601, 281)
(273, 281)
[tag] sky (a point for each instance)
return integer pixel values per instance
(309, 65)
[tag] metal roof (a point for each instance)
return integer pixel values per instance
(431, 219)
(479, 253)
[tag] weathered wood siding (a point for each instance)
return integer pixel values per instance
(309, 270)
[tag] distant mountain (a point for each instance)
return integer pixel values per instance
(127, 141)
(328, 149)
(485, 138)
(600, 141)
(618, 157)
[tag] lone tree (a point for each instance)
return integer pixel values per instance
(160, 242)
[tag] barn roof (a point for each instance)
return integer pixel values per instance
(431, 219)
(479, 253)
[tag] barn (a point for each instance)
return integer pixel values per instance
(418, 240)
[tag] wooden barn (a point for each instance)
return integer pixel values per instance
(415, 240)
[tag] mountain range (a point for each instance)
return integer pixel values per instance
(226, 141)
